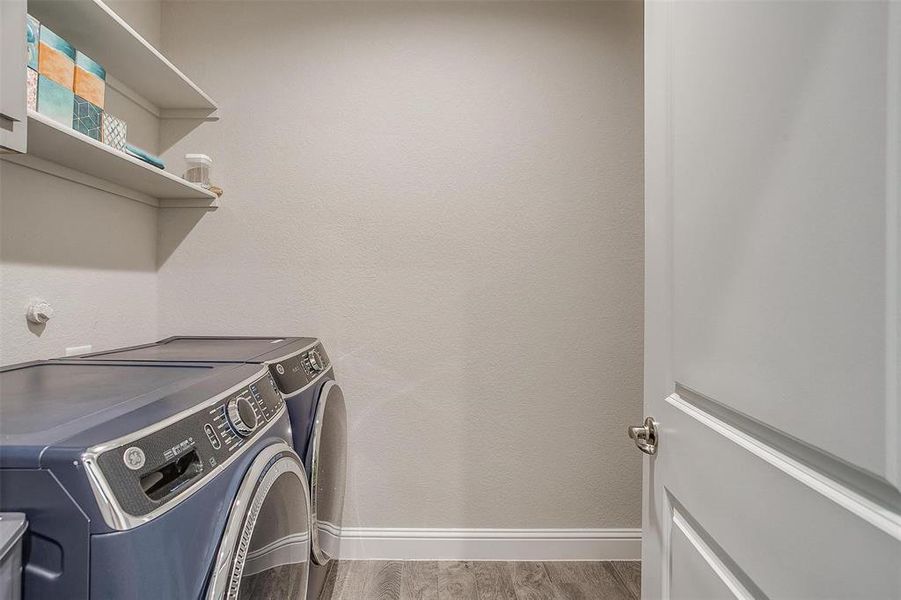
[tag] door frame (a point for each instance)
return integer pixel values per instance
(658, 246)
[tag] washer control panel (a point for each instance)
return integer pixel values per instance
(299, 370)
(155, 468)
(242, 413)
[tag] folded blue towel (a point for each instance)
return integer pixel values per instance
(145, 156)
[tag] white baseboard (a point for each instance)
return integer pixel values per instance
(368, 543)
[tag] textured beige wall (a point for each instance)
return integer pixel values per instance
(91, 254)
(450, 195)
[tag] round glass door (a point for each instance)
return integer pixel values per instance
(328, 462)
(265, 550)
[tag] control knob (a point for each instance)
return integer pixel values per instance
(316, 362)
(241, 416)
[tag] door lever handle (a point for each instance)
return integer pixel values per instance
(645, 436)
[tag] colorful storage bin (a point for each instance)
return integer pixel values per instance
(31, 89)
(86, 118)
(113, 131)
(55, 101)
(32, 36)
(90, 79)
(56, 59)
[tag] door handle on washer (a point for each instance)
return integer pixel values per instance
(645, 436)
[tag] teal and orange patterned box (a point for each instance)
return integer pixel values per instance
(56, 77)
(86, 118)
(56, 58)
(55, 101)
(32, 37)
(90, 79)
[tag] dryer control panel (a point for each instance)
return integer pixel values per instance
(157, 466)
(294, 373)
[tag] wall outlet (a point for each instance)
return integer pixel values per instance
(78, 350)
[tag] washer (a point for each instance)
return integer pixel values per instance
(305, 377)
(153, 480)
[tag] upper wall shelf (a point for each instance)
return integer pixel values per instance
(92, 27)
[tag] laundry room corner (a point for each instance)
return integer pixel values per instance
(484, 315)
(450, 299)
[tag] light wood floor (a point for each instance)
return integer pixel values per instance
(450, 580)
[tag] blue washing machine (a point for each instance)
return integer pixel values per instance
(153, 480)
(305, 377)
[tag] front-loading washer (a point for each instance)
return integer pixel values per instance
(153, 480)
(305, 377)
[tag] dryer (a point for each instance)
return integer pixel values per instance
(153, 480)
(305, 377)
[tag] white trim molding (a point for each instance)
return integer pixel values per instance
(373, 543)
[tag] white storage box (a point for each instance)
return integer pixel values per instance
(198, 169)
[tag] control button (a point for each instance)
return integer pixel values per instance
(316, 362)
(211, 435)
(280, 369)
(242, 416)
(134, 458)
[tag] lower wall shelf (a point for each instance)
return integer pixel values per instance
(66, 153)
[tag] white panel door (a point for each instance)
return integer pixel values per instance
(773, 153)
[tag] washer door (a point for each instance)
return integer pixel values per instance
(265, 550)
(328, 460)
